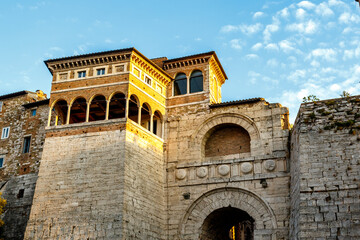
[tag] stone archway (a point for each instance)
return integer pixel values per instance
(192, 224)
(204, 131)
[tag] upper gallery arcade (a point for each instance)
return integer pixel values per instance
(124, 84)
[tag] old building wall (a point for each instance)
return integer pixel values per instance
(79, 192)
(18, 192)
(26, 116)
(325, 170)
(262, 172)
(144, 188)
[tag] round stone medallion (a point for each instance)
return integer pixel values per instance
(270, 165)
(180, 174)
(224, 170)
(246, 167)
(202, 172)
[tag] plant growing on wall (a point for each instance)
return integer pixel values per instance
(2, 208)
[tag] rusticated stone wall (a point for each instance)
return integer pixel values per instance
(325, 170)
(198, 185)
(80, 189)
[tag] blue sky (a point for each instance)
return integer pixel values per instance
(278, 50)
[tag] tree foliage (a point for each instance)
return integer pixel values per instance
(345, 94)
(2, 208)
(310, 98)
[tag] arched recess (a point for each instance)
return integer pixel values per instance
(134, 108)
(157, 124)
(117, 106)
(145, 119)
(204, 131)
(180, 84)
(196, 81)
(97, 109)
(234, 139)
(265, 225)
(59, 111)
(78, 110)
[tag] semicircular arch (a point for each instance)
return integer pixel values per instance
(239, 198)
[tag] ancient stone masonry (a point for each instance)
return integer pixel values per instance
(134, 148)
(24, 114)
(325, 170)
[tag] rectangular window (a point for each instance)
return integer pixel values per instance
(5, 132)
(26, 147)
(1, 104)
(63, 76)
(148, 80)
(159, 89)
(100, 71)
(33, 112)
(82, 74)
(137, 72)
(1, 162)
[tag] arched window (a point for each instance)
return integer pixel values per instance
(59, 113)
(227, 139)
(97, 108)
(180, 84)
(145, 116)
(78, 111)
(157, 123)
(196, 82)
(117, 106)
(133, 108)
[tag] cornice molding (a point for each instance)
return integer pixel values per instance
(67, 64)
(186, 62)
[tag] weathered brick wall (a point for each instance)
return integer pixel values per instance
(80, 189)
(325, 160)
(20, 169)
(227, 140)
(191, 174)
(22, 124)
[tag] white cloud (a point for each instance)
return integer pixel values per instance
(246, 29)
(271, 28)
(250, 29)
(327, 54)
(323, 10)
(258, 15)
(108, 40)
(198, 39)
(253, 76)
(306, 4)
(272, 63)
(236, 44)
(335, 87)
(315, 63)
(300, 13)
(56, 49)
(308, 27)
(284, 13)
(228, 28)
(347, 18)
(286, 46)
(256, 46)
(272, 46)
(297, 75)
(352, 53)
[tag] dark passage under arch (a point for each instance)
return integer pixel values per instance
(228, 223)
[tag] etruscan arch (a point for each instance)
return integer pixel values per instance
(252, 207)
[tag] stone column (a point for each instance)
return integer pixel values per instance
(152, 123)
(87, 111)
(68, 114)
(49, 120)
(107, 109)
(139, 115)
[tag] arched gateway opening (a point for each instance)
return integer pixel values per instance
(217, 213)
(228, 223)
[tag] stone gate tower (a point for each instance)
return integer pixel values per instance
(145, 149)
